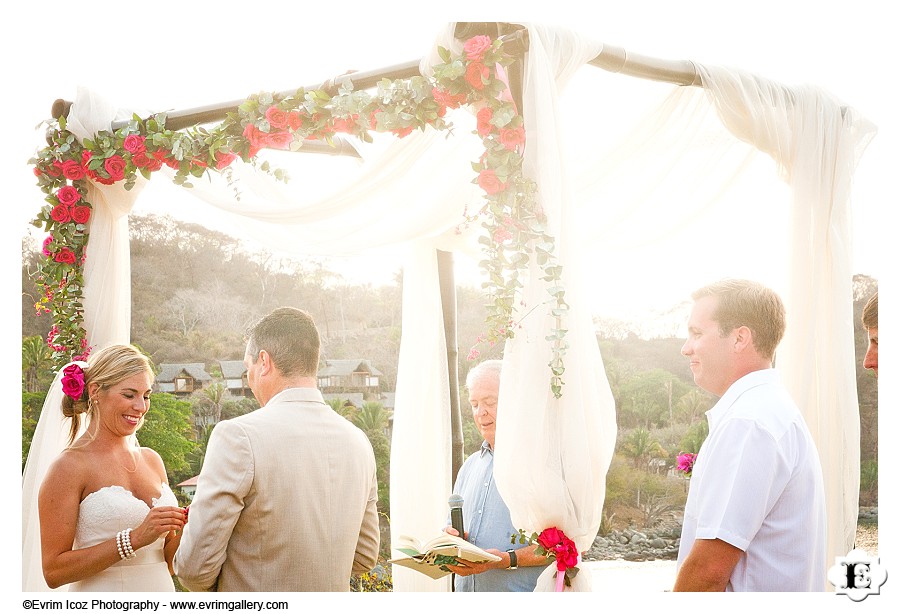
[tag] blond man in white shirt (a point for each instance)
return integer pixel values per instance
(755, 515)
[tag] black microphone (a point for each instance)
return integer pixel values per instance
(456, 517)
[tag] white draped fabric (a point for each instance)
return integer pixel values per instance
(553, 454)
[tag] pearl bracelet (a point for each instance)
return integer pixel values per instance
(123, 544)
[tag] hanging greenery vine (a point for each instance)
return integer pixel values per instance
(515, 225)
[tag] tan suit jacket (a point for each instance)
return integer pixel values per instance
(285, 502)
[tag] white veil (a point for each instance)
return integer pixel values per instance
(50, 438)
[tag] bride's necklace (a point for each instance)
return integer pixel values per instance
(135, 462)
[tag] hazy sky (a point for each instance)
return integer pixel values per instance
(154, 60)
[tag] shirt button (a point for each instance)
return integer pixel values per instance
(479, 511)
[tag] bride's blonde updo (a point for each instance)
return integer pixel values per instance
(107, 367)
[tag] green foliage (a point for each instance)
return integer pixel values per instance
(868, 482)
(372, 417)
(695, 437)
(167, 429)
(649, 397)
(640, 446)
(32, 402)
(37, 361)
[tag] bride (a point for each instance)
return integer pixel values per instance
(108, 519)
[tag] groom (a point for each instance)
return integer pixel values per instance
(286, 497)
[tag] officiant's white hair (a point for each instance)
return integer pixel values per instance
(482, 369)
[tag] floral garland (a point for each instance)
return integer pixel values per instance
(514, 221)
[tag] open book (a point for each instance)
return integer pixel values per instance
(432, 556)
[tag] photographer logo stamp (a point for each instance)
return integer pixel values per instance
(857, 575)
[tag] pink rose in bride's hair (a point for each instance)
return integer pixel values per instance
(134, 143)
(73, 381)
(115, 166)
(67, 195)
(476, 47)
(489, 182)
(476, 73)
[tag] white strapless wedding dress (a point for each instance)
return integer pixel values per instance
(104, 513)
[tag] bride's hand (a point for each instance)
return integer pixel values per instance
(158, 522)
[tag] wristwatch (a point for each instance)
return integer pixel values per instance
(513, 559)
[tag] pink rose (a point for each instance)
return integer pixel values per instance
(549, 538)
(445, 98)
(373, 118)
(72, 170)
(141, 159)
(277, 118)
(68, 195)
(294, 120)
(476, 73)
(55, 170)
(566, 555)
(280, 140)
(256, 138)
(224, 159)
(476, 47)
(73, 381)
(115, 166)
(81, 215)
(502, 234)
(60, 214)
(512, 138)
(484, 116)
(402, 132)
(134, 144)
(65, 256)
(45, 248)
(344, 124)
(489, 182)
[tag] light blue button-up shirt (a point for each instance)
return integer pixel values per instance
(486, 520)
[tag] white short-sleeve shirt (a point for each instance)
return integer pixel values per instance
(757, 484)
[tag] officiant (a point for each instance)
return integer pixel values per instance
(486, 518)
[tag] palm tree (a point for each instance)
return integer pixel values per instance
(692, 405)
(372, 417)
(214, 392)
(640, 446)
(35, 358)
(344, 408)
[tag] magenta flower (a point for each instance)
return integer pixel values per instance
(686, 462)
(73, 381)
